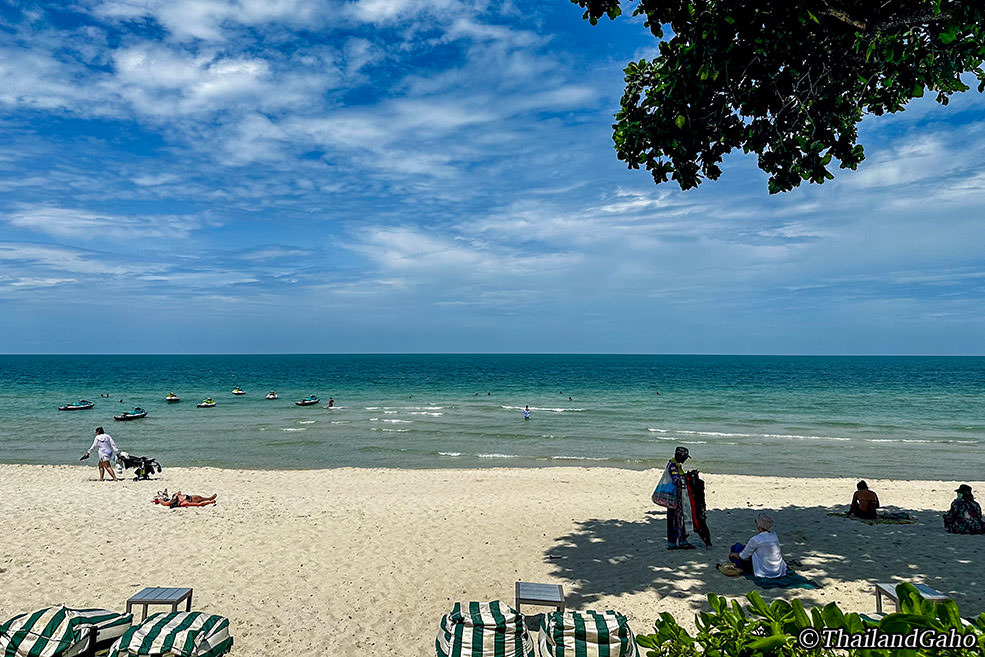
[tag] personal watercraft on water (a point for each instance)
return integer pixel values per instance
(207, 403)
(135, 414)
(307, 401)
(80, 405)
(271, 395)
(238, 391)
(171, 398)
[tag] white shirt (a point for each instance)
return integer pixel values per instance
(764, 548)
(105, 445)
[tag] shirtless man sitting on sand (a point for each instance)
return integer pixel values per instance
(864, 502)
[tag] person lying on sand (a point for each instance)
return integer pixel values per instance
(193, 499)
(180, 499)
(864, 503)
(761, 556)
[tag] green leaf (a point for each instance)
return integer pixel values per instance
(918, 91)
(769, 643)
(680, 121)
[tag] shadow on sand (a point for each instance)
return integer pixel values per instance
(613, 557)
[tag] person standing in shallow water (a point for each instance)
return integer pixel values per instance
(526, 413)
(676, 533)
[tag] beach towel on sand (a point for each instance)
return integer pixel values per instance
(791, 580)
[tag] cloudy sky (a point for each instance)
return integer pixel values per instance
(240, 176)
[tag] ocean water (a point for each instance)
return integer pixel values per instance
(901, 417)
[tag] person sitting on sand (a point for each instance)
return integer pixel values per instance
(965, 515)
(761, 556)
(864, 502)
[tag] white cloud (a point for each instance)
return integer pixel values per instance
(208, 20)
(60, 259)
(89, 226)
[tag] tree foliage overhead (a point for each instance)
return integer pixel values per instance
(788, 80)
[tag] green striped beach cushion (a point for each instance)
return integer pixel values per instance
(176, 634)
(483, 629)
(59, 631)
(586, 634)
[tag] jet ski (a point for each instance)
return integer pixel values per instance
(80, 405)
(310, 400)
(171, 398)
(135, 414)
(271, 395)
(207, 403)
(238, 391)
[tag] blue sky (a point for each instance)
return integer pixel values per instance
(185, 176)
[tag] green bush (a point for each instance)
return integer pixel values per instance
(759, 629)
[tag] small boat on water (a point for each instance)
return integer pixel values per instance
(172, 398)
(207, 403)
(238, 391)
(310, 400)
(271, 395)
(135, 414)
(80, 405)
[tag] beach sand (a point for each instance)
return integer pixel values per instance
(333, 561)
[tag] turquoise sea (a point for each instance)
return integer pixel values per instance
(900, 417)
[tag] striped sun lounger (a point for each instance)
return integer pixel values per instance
(586, 634)
(176, 634)
(60, 631)
(483, 629)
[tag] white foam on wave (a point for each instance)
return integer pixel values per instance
(578, 458)
(391, 412)
(544, 409)
(398, 421)
(307, 421)
(293, 429)
(387, 430)
(340, 422)
(449, 454)
(725, 434)
(498, 456)
(428, 413)
(372, 408)
(898, 440)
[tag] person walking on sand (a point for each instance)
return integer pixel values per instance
(526, 413)
(676, 532)
(106, 448)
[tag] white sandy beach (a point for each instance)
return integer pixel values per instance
(330, 561)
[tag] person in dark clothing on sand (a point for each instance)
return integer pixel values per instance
(676, 533)
(965, 514)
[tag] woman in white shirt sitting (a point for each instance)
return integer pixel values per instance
(761, 555)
